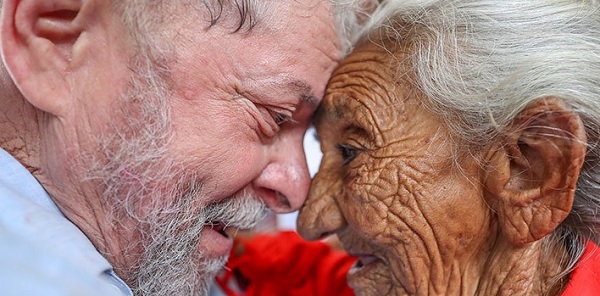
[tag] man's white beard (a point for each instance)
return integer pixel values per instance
(172, 263)
(146, 187)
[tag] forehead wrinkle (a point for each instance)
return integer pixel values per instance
(375, 116)
(328, 112)
(356, 86)
(369, 82)
(342, 106)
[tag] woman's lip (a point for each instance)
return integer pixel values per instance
(366, 260)
(363, 265)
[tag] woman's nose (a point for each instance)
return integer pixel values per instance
(320, 216)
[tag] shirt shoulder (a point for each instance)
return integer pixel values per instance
(27, 268)
(41, 251)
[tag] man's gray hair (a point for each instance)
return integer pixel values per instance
(350, 15)
(480, 62)
(144, 17)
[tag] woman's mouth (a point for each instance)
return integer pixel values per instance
(364, 264)
(365, 260)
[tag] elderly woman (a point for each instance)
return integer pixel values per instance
(461, 155)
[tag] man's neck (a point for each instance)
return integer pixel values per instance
(23, 135)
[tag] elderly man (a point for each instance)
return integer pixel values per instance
(136, 135)
(461, 157)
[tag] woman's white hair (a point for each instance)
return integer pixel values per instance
(480, 62)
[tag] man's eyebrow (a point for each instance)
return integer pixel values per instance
(304, 90)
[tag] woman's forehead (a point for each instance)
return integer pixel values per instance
(369, 78)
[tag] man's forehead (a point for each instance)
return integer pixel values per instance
(283, 87)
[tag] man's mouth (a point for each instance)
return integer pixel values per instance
(217, 239)
(220, 228)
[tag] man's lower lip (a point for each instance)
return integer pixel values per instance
(214, 244)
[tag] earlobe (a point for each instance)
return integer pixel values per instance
(37, 39)
(535, 173)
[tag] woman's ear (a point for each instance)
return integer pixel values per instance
(532, 176)
(37, 42)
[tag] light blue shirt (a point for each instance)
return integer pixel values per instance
(41, 251)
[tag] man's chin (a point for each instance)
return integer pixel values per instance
(188, 277)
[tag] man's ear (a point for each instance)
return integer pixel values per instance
(532, 175)
(37, 39)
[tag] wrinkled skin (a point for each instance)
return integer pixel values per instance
(402, 158)
(388, 188)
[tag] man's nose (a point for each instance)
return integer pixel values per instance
(321, 216)
(284, 183)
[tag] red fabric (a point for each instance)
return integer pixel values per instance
(285, 264)
(585, 279)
